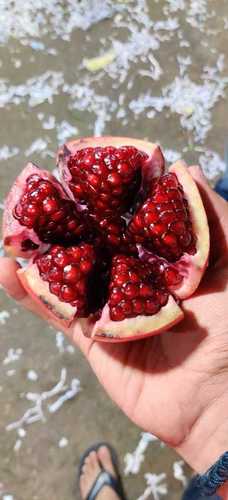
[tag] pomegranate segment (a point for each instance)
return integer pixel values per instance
(106, 179)
(38, 213)
(132, 289)
(152, 160)
(107, 330)
(67, 271)
(163, 223)
(117, 245)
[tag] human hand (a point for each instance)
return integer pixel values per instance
(175, 384)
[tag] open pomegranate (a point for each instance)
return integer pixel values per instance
(116, 244)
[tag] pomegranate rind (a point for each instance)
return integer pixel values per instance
(153, 167)
(13, 232)
(106, 330)
(192, 267)
(38, 289)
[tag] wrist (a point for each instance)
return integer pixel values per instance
(208, 439)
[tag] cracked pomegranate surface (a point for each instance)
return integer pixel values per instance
(116, 244)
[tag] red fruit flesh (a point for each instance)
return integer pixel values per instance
(132, 290)
(62, 278)
(149, 157)
(163, 224)
(38, 213)
(116, 245)
(106, 179)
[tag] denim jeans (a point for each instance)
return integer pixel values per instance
(193, 493)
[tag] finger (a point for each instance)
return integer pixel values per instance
(217, 213)
(9, 279)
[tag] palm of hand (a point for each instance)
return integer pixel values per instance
(161, 383)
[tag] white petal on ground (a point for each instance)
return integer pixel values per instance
(156, 487)
(178, 472)
(134, 460)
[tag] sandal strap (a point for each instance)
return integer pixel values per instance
(103, 479)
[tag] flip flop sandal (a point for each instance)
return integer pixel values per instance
(104, 478)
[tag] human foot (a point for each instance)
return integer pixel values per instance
(94, 464)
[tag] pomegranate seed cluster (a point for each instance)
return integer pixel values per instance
(43, 209)
(97, 244)
(163, 222)
(67, 271)
(106, 178)
(132, 290)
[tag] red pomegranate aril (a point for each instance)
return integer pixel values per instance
(151, 307)
(137, 306)
(117, 314)
(50, 206)
(172, 276)
(131, 290)
(61, 259)
(150, 218)
(72, 273)
(55, 288)
(126, 307)
(86, 266)
(170, 239)
(55, 275)
(145, 291)
(68, 294)
(161, 296)
(166, 217)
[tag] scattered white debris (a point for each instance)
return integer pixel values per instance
(192, 101)
(4, 315)
(17, 445)
(21, 432)
(65, 130)
(170, 155)
(37, 412)
(49, 123)
(134, 460)
(212, 164)
(37, 90)
(25, 21)
(12, 355)
(69, 394)
(32, 375)
(11, 372)
(7, 497)
(62, 344)
(7, 152)
(63, 442)
(155, 486)
(178, 472)
(84, 98)
(36, 147)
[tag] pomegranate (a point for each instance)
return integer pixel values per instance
(116, 244)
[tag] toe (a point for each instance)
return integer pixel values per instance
(90, 471)
(105, 459)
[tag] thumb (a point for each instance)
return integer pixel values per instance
(217, 213)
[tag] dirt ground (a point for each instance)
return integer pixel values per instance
(46, 96)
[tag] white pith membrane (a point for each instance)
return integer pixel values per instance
(191, 267)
